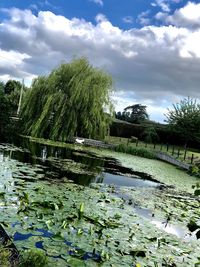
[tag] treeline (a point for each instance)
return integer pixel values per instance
(182, 124)
(150, 133)
(9, 99)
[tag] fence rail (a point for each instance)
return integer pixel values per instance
(176, 152)
(172, 160)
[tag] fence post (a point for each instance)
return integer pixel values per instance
(154, 146)
(185, 154)
(161, 147)
(167, 147)
(173, 150)
(137, 142)
(178, 154)
(192, 158)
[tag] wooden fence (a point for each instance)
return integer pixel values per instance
(171, 150)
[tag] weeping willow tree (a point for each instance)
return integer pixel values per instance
(70, 101)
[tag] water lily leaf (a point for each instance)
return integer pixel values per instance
(76, 262)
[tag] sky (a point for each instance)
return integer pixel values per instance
(151, 48)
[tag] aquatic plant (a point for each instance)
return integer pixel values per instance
(80, 211)
(106, 231)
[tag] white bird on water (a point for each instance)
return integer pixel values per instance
(79, 141)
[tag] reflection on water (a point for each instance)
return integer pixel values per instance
(174, 230)
(120, 180)
(79, 166)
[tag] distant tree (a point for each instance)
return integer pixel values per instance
(184, 119)
(118, 115)
(137, 113)
(11, 86)
(4, 116)
(71, 101)
(1, 86)
(150, 135)
(12, 91)
(124, 116)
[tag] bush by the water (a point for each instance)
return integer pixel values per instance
(4, 256)
(33, 258)
(141, 152)
(195, 170)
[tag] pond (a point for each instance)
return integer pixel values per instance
(79, 166)
(83, 208)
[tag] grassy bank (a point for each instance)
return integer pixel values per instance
(172, 150)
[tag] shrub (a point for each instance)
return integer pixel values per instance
(33, 258)
(141, 152)
(194, 170)
(4, 257)
(150, 135)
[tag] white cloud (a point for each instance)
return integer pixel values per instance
(98, 2)
(163, 4)
(187, 16)
(46, 3)
(143, 18)
(128, 19)
(161, 16)
(149, 65)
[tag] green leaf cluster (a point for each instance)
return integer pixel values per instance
(141, 152)
(184, 118)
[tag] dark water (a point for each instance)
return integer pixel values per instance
(59, 162)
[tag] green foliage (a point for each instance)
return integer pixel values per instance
(5, 111)
(70, 101)
(33, 258)
(4, 256)
(150, 135)
(11, 86)
(9, 99)
(141, 152)
(194, 170)
(13, 99)
(135, 114)
(81, 211)
(1, 86)
(184, 118)
(196, 189)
